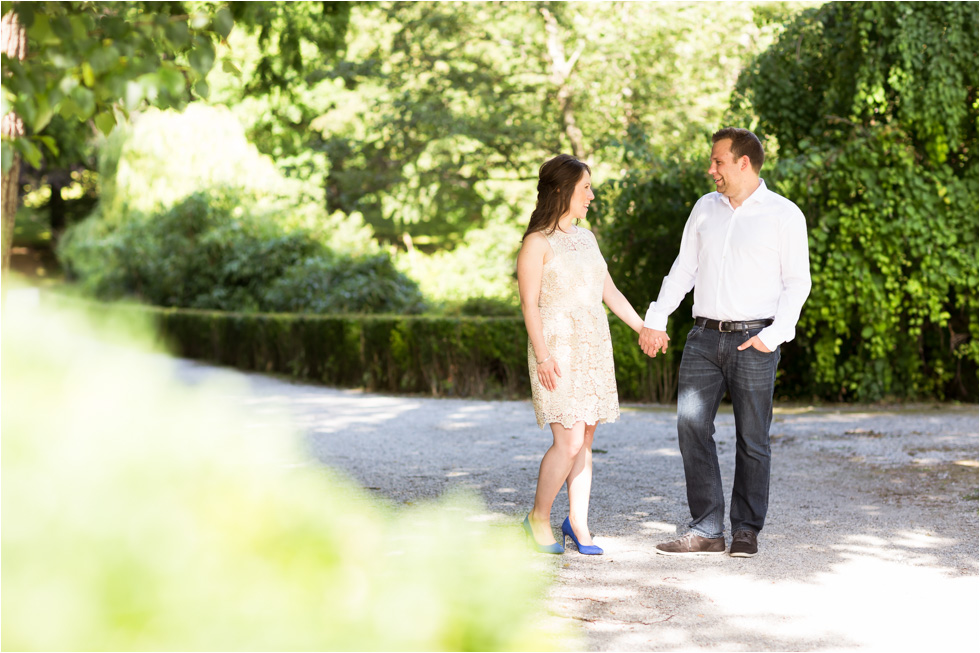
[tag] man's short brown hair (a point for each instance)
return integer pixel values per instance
(744, 143)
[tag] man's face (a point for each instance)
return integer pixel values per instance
(724, 169)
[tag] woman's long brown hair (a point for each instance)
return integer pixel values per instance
(557, 178)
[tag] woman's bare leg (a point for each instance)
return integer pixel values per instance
(555, 468)
(580, 488)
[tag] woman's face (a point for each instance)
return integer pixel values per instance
(581, 197)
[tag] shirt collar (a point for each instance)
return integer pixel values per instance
(758, 196)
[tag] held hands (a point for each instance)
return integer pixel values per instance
(549, 373)
(653, 342)
(754, 341)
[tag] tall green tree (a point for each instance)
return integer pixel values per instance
(447, 109)
(874, 109)
(95, 62)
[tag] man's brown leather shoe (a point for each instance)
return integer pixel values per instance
(692, 544)
(744, 544)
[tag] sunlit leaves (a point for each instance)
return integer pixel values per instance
(223, 22)
(202, 56)
(88, 59)
(480, 77)
(105, 121)
(854, 65)
(874, 110)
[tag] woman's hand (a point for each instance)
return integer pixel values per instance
(653, 342)
(549, 373)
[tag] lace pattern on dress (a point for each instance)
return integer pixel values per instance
(576, 331)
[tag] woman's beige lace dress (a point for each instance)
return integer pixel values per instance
(576, 331)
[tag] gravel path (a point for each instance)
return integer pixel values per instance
(871, 541)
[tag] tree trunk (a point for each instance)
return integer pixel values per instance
(13, 40)
(561, 70)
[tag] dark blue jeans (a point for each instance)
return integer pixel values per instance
(710, 365)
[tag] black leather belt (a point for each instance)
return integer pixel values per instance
(730, 327)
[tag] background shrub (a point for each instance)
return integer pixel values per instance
(331, 284)
(872, 108)
(485, 307)
(209, 251)
(190, 214)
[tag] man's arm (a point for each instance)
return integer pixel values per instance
(678, 282)
(794, 263)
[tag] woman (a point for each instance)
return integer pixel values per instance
(563, 283)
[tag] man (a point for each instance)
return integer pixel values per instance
(744, 251)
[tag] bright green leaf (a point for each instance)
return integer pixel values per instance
(50, 143)
(29, 151)
(229, 67)
(44, 113)
(79, 27)
(88, 75)
(105, 121)
(133, 95)
(172, 81)
(26, 108)
(201, 89)
(68, 109)
(223, 22)
(149, 86)
(202, 56)
(41, 32)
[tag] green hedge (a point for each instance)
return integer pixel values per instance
(435, 356)
(438, 356)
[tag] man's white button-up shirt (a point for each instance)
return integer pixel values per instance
(748, 263)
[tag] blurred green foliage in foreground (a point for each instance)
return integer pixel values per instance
(140, 512)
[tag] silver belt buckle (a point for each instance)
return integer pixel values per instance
(722, 324)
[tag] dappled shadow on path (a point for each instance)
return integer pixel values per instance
(871, 534)
(844, 561)
(866, 593)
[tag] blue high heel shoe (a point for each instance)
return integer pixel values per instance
(584, 549)
(540, 548)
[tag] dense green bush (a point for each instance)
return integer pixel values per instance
(874, 109)
(485, 307)
(870, 109)
(210, 251)
(143, 514)
(436, 356)
(893, 255)
(190, 214)
(330, 284)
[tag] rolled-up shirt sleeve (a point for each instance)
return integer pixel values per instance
(794, 267)
(680, 280)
